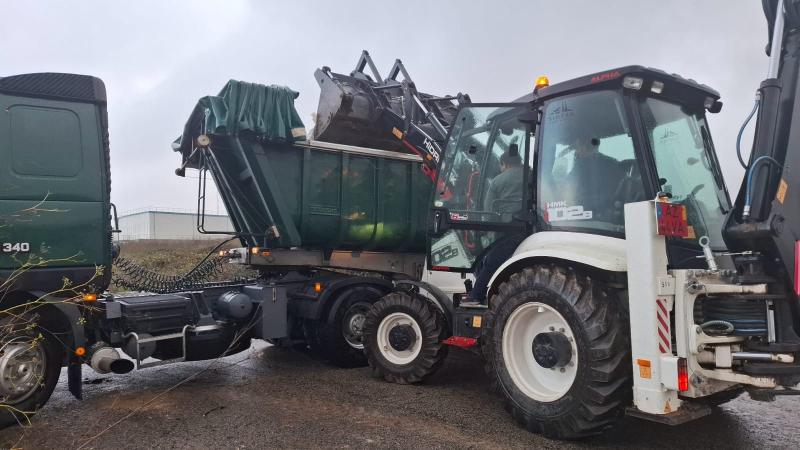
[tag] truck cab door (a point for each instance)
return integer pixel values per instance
(482, 189)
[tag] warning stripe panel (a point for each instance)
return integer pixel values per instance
(664, 334)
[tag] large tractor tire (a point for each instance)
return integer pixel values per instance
(403, 338)
(30, 364)
(340, 340)
(558, 348)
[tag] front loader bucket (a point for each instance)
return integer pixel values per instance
(350, 112)
(366, 110)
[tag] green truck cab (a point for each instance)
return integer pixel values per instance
(54, 183)
(55, 230)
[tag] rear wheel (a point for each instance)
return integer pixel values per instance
(557, 346)
(30, 364)
(402, 338)
(341, 339)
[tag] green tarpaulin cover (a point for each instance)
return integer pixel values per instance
(267, 111)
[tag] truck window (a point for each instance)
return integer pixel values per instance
(45, 141)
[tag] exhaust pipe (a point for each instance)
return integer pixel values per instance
(105, 359)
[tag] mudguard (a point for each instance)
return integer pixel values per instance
(603, 252)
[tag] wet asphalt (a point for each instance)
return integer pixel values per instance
(268, 397)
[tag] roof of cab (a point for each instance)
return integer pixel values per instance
(616, 75)
(60, 86)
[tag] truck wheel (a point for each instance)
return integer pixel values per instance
(341, 340)
(557, 346)
(30, 364)
(402, 338)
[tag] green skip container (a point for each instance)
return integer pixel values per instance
(282, 191)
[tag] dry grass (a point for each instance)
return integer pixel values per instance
(173, 257)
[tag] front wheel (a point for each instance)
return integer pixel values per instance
(30, 364)
(402, 338)
(557, 346)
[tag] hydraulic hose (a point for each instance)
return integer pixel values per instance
(756, 104)
(717, 327)
(749, 188)
(131, 275)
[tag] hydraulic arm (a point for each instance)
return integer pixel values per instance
(766, 215)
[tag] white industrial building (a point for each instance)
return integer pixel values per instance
(168, 224)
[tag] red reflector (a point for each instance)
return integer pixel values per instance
(461, 341)
(683, 375)
(797, 267)
(440, 268)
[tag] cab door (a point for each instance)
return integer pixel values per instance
(482, 191)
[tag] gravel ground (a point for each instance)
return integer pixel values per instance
(274, 398)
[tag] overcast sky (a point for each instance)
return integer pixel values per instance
(158, 57)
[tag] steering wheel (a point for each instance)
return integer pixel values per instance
(630, 187)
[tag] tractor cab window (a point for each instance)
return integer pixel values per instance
(483, 169)
(588, 168)
(686, 166)
(481, 179)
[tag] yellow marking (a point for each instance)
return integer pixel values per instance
(476, 321)
(397, 133)
(691, 234)
(667, 408)
(782, 188)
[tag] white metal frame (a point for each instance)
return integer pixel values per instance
(650, 288)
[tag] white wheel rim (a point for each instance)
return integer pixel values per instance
(537, 382)
(394, 356)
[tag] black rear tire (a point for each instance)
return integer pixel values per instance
(405, 308)
(15, 330)
(601, 387)
(340, 341)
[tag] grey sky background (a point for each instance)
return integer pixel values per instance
(157, 57)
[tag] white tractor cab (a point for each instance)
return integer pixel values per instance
(607, 195)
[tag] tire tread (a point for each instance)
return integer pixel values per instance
(601, 401)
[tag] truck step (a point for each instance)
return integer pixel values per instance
(140, 364)
(473, 305)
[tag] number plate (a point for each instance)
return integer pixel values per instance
(671, 220)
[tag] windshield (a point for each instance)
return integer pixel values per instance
(687, 167)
